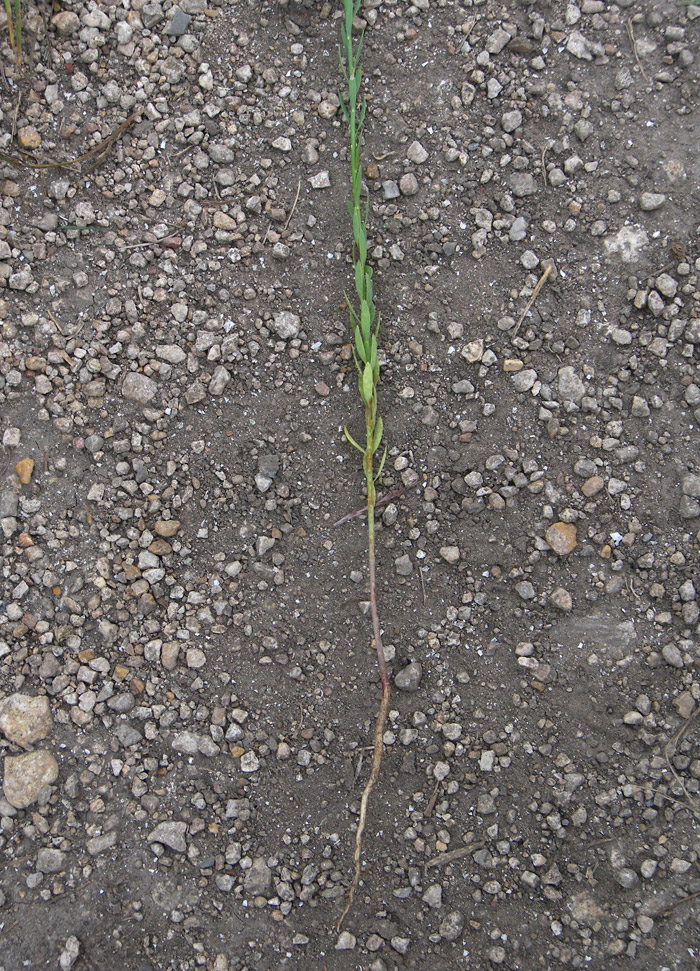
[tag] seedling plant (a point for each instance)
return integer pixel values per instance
(364, 321)
(14, 27)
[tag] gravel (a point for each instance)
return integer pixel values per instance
(187, 690)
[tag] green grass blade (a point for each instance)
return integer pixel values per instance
(360, 345)
(352, 440)
(381, 466)
(378, 432)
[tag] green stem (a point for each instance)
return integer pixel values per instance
(371, 501)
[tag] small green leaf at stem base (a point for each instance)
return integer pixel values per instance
(352, 440)
(378, 432)
(381, 466)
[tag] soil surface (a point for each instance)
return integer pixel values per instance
(187, 682)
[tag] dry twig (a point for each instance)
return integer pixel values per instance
(535, 293)
(633, 42)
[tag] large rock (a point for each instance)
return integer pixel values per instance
(571, 387)
(287, 324)
(26, 775)
(139, 388)
(25, 719)
(170, 834)
(409, 678)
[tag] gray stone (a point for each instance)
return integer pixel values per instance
(626, 878)
(629, 241)
(450, 554)
(127, 734)
(50, 861)
(689, 508)
(579, 46)
(672, 656)
(525, 590)
(408, 184)
(524, 380)
(518, 230)
(583, 129)
(403, 565)
(390, 189)
(571, 387)
(287, 324)
(649, 201)
(171, 353)
(258, 879)
(485, 804)
(170, 834)
(511, 120)
(690, 484)
(522, 184)
(497, 40)
(220, 378)
(433, 896)
(401, 944)
(139, 388)
(100, 844)
(666, 285)
(187, 743)
(416, 153)
(321, 180)
(282, 144)
(452, 926)
(410, 677)
(70, 953)
(179, 24)
(9, 504)
(346, 941)
(24, 719)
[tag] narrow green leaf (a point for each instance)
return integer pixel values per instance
(368, 294)
(352, 440)
(373, 351)
(378, 432)
(363, 112)
(356, 224)
(362, 246)
(365, 324)
(359, 344)
(354, 319)
(367, 384)
(360, 42)
(381, 466)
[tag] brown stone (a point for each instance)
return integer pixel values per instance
(65, 23)
(592, 486)
(25, 470)
(29, 137)
(561, 537)
(561, 598)
(222, 220)
(167, 527)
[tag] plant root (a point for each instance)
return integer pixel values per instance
(540, 283)
(373, 776)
